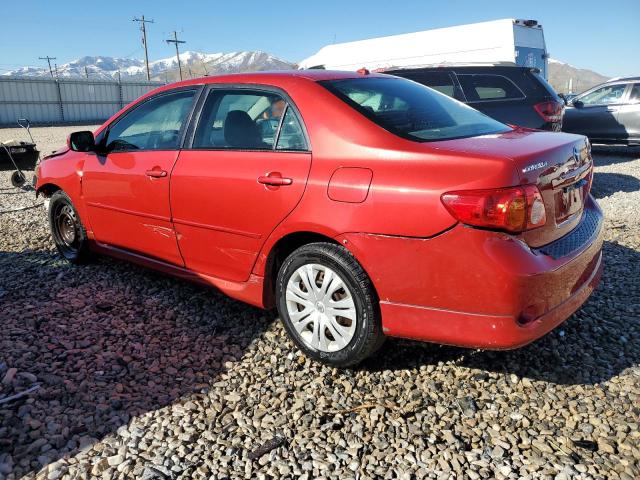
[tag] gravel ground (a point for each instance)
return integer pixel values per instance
(136, 375)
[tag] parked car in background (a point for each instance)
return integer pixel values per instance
(567, 97)
(513, 95)
(418, 217)
(607, 113)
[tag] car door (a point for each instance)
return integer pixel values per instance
(629, 113)
(126, 185)
(595, 113)
(245, 170)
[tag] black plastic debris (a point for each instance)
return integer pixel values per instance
(586, 444)
(265, 448)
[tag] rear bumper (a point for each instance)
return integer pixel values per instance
(477, 330)
(475, 288)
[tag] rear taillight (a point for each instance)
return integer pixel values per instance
(513, 209)
(550, 111)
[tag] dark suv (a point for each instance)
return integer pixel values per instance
(514, 95)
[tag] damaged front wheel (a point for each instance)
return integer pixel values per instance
(69, 235)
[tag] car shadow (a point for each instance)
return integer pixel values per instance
(103, 343)
(593, 345)
(611, 154)
(606, 184)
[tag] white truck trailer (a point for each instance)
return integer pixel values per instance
(497, 42)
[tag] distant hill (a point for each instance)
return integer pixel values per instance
(561, 75)
(194, 64)
(198, 64)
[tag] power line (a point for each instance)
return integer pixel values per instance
(143, 29)
(48, 59)
(176, 42)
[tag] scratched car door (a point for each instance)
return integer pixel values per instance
(126, 189)
(246, 170)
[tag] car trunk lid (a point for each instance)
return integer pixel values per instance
(560, 165)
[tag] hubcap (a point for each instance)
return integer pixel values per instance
(321, 308)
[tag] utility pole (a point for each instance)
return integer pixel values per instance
(144, 41)
(176, 42)
(48, 59)
(86, 72)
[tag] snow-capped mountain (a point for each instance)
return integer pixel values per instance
(196, 64)
(193, 64)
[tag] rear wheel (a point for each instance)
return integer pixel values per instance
(328, 305)
(69, 235)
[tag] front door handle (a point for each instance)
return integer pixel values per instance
(156, 172)
(274, 179)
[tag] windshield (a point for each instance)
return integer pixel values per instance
(411, 110)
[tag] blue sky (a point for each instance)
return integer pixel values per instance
(601, 35)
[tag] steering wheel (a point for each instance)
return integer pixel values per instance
(160, 140)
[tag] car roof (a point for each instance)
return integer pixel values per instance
(623, 79)
(461, 67)
(271, 77)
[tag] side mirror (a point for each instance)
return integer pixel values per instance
(81, 141)
(577, 103)
(563, 98)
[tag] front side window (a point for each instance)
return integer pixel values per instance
(247, 120)
(156, 124)
(481, 87)
(607, 95)
(411, 110)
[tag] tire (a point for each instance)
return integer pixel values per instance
(338, 321)
(69, 235)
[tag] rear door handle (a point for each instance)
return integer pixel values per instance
(274, 179)
(156, 172)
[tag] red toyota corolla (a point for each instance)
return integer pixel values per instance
(360, 205)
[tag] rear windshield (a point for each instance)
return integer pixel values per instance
(546, 86)
(411, 110)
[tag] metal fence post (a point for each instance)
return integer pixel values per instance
(60, 100)
(120, 97)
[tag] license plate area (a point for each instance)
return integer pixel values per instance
(569, 200)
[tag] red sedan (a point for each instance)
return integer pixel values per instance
(360, 205)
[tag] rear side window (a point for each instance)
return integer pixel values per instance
(411, 110)
(483, 87)
(440, 81)
(248, 120)
(291, 136)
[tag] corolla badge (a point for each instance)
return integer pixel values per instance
(534, 166)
